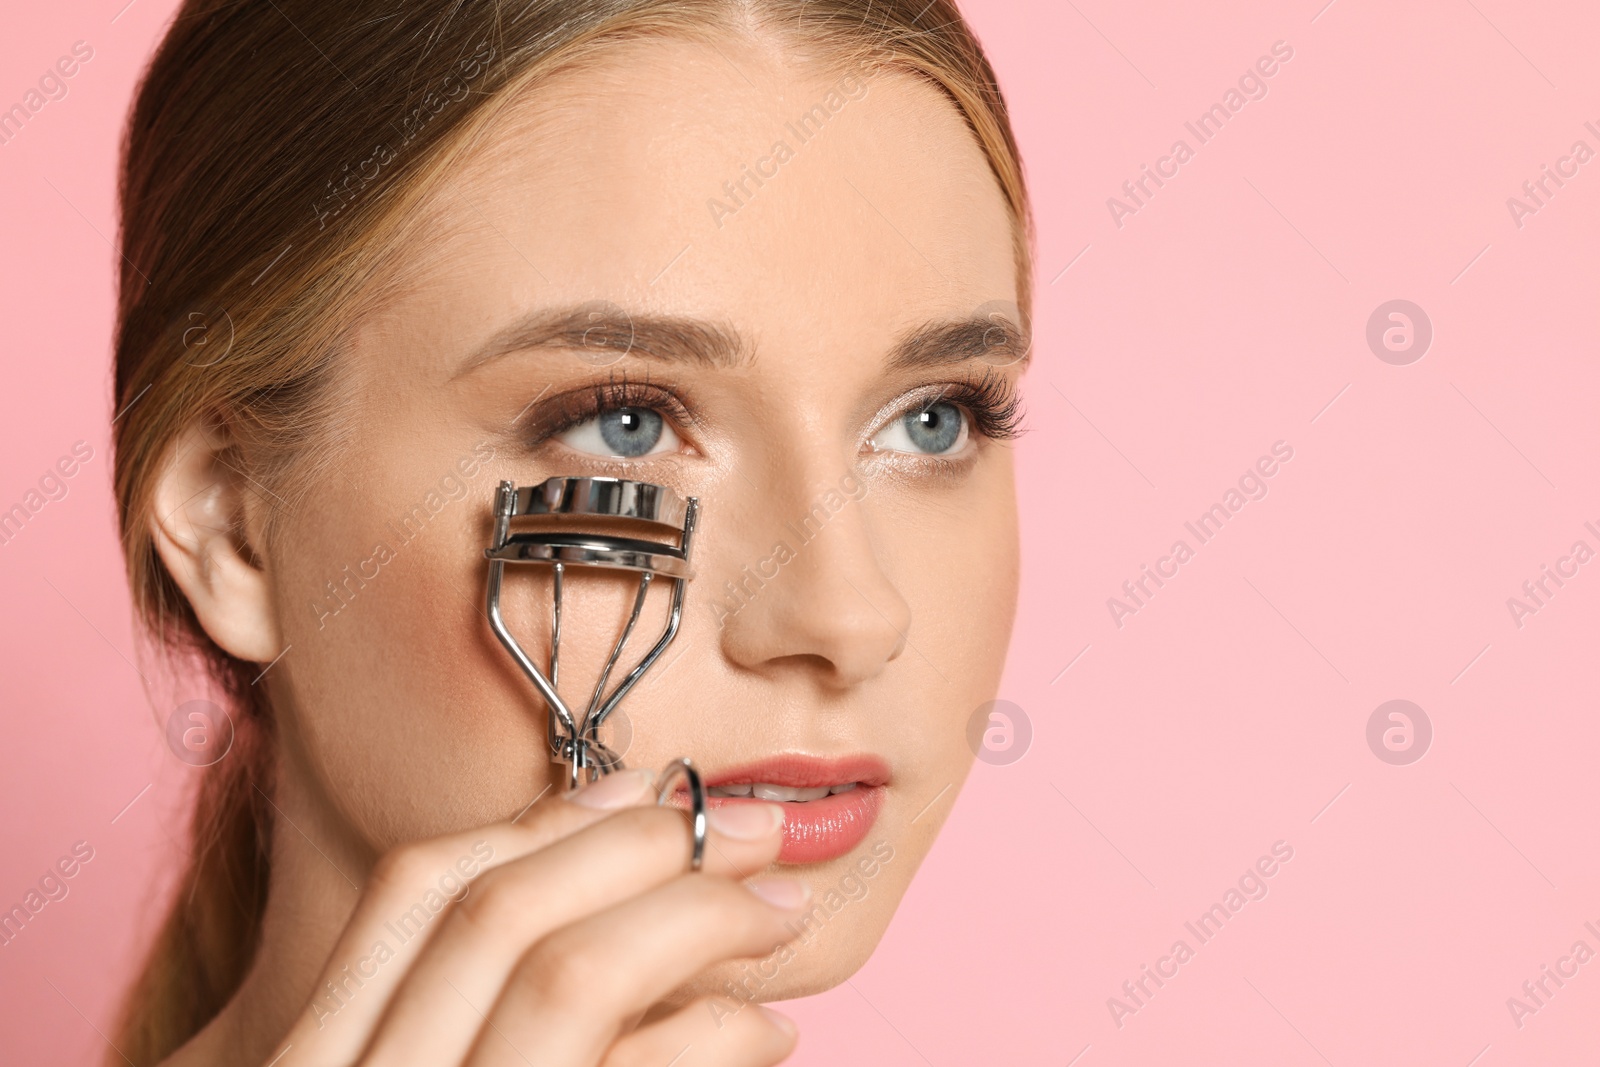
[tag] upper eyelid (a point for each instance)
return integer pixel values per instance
(908, 402)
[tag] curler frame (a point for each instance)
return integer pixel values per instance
(574, 739)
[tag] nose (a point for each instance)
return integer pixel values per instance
(818, 600)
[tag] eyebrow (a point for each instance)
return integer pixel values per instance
(995, 340)
(607, 331)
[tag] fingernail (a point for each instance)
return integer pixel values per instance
(746, 821)
(780, 1020)
(616, 790)
(788, 894)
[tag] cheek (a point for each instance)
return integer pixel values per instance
(413, 720)
(955, 563)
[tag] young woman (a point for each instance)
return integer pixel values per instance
(770, 253)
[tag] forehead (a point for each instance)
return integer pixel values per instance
(801, 205)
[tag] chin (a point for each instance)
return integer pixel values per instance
(799, 968)
(853, 900)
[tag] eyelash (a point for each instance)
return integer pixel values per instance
(991, 401)
(581, 405)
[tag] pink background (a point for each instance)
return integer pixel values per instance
(1230, 712)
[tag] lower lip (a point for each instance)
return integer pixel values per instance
(815, 831)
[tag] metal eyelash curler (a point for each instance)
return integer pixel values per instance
(575, 740)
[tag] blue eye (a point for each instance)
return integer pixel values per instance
(938, 429)
(624, 433)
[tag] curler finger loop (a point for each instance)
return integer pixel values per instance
(697, 802)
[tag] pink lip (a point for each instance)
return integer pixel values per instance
(814, 831)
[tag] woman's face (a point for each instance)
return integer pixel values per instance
(766, 285)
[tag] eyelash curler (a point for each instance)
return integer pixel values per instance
(574, 739)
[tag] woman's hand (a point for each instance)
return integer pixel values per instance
(569, 924)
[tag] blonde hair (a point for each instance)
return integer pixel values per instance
(270, 158)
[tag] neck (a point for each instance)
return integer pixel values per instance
(317, 868)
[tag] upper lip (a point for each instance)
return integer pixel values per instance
(799, 771)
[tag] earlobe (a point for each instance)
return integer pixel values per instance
(199, 524)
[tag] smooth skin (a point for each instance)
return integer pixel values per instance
(406, 735)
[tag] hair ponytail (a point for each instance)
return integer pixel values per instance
(206, 944)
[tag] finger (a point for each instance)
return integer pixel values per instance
(709, 1032)
(568, 999)
(436, 1014)
(408, 889)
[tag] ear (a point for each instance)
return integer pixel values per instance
(201, 523)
